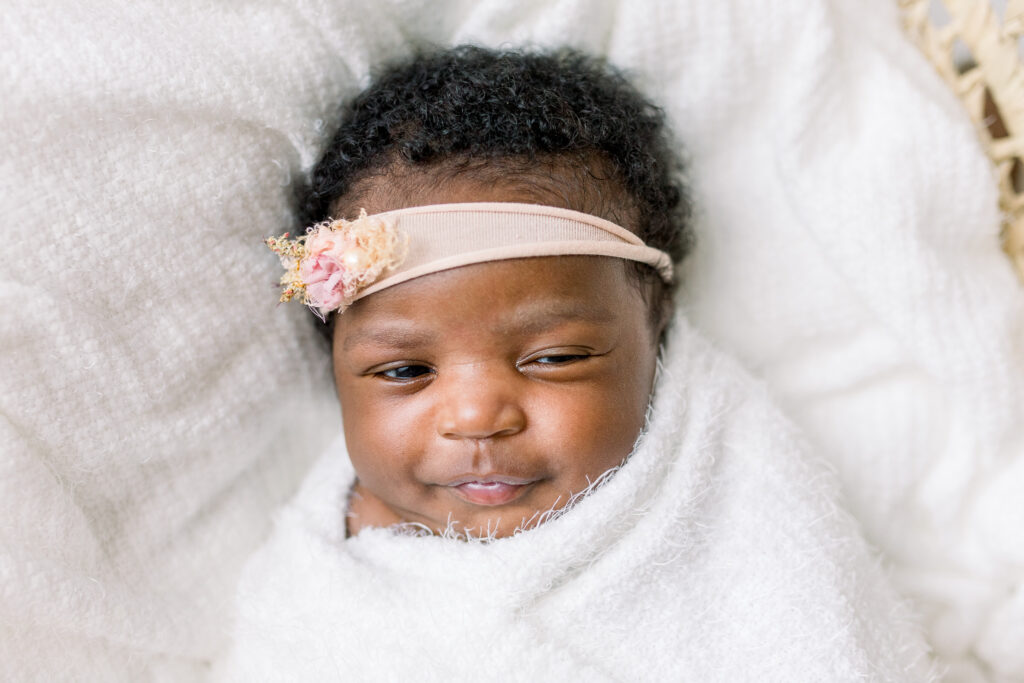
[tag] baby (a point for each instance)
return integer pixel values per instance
(477, 398)
(492, 256)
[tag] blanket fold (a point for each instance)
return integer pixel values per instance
(715, 552)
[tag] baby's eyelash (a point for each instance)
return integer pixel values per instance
(411, 372)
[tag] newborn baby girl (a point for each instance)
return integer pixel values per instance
(545, 473)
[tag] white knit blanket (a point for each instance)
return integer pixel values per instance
(715, 553)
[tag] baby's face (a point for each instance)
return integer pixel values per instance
(488, 394)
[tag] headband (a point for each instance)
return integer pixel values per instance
(338, 262)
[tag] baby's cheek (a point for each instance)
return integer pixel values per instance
(622, 416)
(599, 436)
(374, 437)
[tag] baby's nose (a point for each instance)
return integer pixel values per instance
(482, 406)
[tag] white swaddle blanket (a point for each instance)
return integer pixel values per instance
(716, 552)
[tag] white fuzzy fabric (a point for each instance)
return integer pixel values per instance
(155, 405)
(716, 552)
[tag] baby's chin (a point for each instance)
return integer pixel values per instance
(493, 525)
(475, 510)
(495, 510)
(487, 523)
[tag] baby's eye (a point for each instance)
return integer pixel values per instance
(560, 359)
(405, 372)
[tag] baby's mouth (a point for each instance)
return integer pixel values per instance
(490, 490)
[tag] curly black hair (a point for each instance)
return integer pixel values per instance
(541, 117)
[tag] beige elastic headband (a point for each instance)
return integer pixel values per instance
(338, 262)
(445, 236)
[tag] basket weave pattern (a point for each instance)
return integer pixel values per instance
(991, 87)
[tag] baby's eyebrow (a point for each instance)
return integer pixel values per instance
(392, 337)
(538, 318)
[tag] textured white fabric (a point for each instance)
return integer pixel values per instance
(155, 404)
(848, 254)
(715, 553)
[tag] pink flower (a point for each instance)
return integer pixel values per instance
(324, 276)
(323, 239)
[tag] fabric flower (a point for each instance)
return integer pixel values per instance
(324, 277)
(335, 260)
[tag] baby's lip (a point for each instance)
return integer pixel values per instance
(491, 491)
(485, 479)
